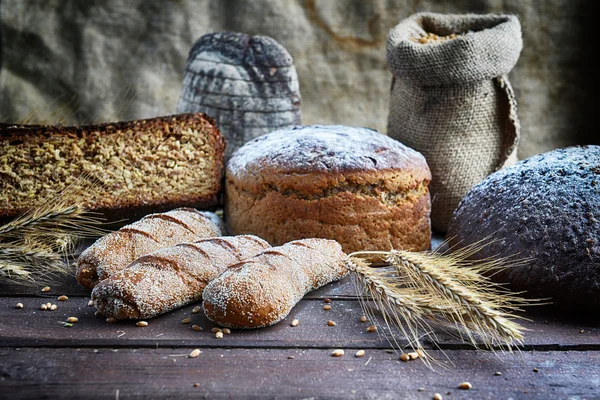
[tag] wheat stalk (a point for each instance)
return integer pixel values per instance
(37, 245)
(419, 289)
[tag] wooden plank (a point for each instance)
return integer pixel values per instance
(33, 327)
(313, 373)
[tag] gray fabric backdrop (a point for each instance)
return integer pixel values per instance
(80, 61)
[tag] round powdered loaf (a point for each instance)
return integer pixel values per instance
(354, 185)
(118, 249)
(262, 290)
(545, 209)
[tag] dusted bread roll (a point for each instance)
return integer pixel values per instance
(262, 290)
(353, 185)
(170, 278)
(544, 210)
(117, 250)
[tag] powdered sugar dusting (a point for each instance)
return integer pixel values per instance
(116, 250)
(171, 277)
(262, 290)
(329, 148)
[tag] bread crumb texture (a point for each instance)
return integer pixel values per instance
(175, 160)
(353, 185)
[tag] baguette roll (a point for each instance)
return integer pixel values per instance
(118, 249)
(171, 277)
(262, 290)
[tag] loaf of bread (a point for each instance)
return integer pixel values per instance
(172, 277)
(545, 210)
(140, 166)
(118, 249)
(247, 83)
(353, 185)
(262, 290)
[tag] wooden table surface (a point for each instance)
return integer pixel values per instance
(41, 358)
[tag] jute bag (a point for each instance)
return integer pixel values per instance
(451, 99)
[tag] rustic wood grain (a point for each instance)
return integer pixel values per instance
(32, 327)
(262, 373)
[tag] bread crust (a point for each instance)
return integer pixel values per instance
(262, 290)
(118, 249)
(356, 186)
(171, 277)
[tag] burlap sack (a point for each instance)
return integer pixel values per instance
(451, 100)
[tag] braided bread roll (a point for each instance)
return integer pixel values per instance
(262, 290)
(117, 250)
(172, 277)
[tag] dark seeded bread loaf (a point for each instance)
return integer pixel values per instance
(142, 166)
(546, 208)
(353, 185)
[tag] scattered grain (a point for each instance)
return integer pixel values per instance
(327, 301)
(62, 298)
(186, 320)
(196, 310)
(291, 357)
(19, 305)
(141, 324)
(111, 320)
(421, 389)
(536, 370)
(363, 319)
(72, 320)
(53, 307)
(497, 373)
(215, 330)
(196, 327)
(437, 396)
(195, 353)
(465, 386)
(404, 357)
(331, 323)
(45, 289)
(48, 305)
(196, 385)
(91, 303)
(413, 355)
(337, 353)
(327, 307)
(219, 335)
(226, 331)
(43, 307)
(372, 328)
(360, 353)
(97, 314)
(295, 322)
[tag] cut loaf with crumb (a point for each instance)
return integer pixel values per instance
(141, 166)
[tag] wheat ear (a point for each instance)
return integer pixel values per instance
(475, 304)
(446, 290)
(36, 246)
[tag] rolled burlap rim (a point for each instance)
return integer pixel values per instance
(451, 100)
